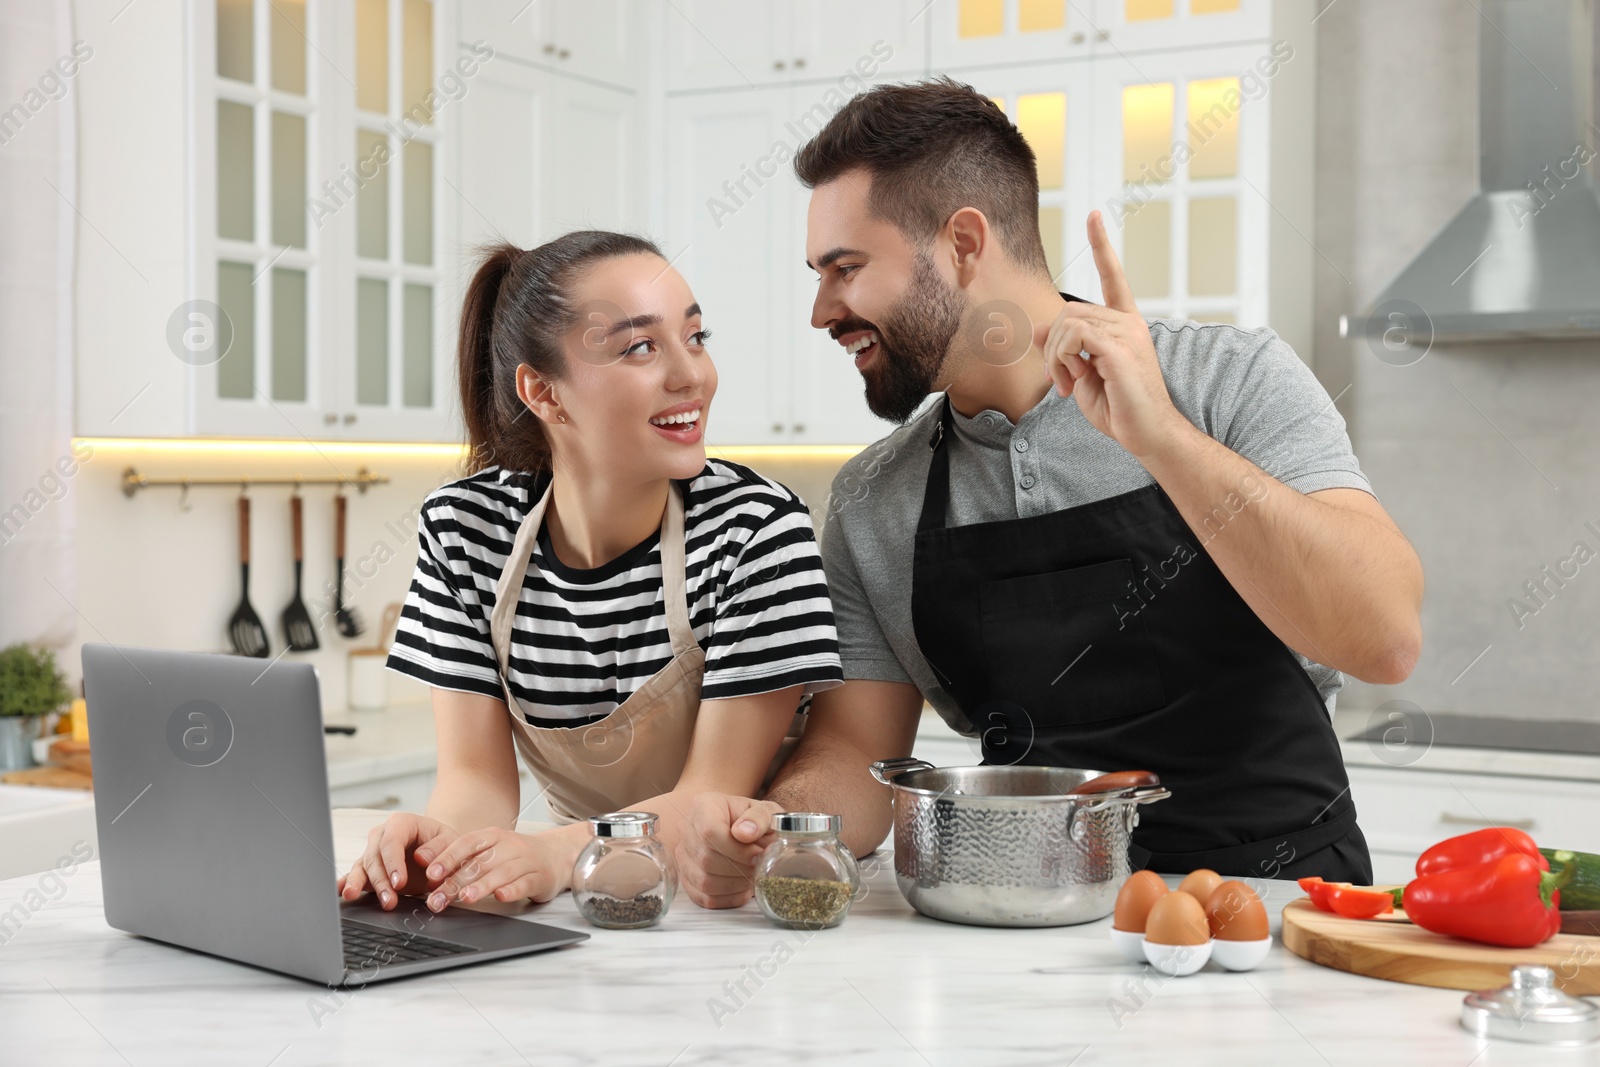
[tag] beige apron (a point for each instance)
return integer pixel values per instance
(639, 750)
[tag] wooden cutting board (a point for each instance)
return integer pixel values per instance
(1400, 951)
(55, 777)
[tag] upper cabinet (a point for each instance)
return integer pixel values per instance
(594, 39)
(967, 33)
(1138, 25)
(737, 44)
(311, 220)
(320, 133)
(986, 32)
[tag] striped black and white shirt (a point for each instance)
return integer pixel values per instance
(584, 640)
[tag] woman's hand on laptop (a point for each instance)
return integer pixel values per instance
(504, 864)
(389, 867)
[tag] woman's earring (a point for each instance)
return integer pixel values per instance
(563, 418)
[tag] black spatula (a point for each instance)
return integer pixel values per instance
(249, 637)
(297, 625)
(347, 618)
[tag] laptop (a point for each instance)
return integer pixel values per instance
(216, 834)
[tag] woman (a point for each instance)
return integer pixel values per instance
(638, 622)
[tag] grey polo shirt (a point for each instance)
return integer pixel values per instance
(1245, 388)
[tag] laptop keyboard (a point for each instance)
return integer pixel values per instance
(364, 943)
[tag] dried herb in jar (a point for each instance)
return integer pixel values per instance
(805, 901)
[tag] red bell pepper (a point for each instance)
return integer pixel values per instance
(1480, 846)
(1509, 901)
(1355, 903)
(1343, 898)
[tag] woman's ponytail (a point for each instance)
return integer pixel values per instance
(518, 307)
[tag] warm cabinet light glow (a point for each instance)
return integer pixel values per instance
(981, 18)
(1147, 132)
(1144, 10)
(1042, 119)
(1214, 128)
(1038, 15)
(424, 450)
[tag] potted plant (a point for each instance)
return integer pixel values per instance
(31, 686)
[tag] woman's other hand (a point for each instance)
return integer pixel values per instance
(504, 864)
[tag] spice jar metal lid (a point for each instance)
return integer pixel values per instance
(1531, 1008)
(624, 824)
(812, 822)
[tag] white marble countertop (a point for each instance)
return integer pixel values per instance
(888, 986)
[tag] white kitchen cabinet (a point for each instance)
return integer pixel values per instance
(1183, 174)
(735, 229)
(593, 39)
(1403, 811)
(967, 33)
(977, 33)
(540, 155)
(406, 792)
(1130, 26)
(735, 44)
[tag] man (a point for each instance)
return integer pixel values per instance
(1112, 543)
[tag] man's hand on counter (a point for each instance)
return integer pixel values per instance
(717, 861)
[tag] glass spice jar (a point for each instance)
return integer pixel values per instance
(806, 879)
(624, 879)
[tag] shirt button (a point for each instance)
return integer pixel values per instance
(1027, 481)
(1021, 444)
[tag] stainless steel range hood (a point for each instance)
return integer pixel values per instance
(1522, 258)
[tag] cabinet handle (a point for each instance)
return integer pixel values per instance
(1104, 35)
(799, 62)
(777, 427)
(799, 427)
(549, 49)
(390, 801)
(1452, 819)
(1077, 38)
(329, 419)
(563, 54)
(777, 64)
(349, 417)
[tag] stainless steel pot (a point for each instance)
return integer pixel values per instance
(1005, 846)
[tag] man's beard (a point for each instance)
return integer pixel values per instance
(922, 325)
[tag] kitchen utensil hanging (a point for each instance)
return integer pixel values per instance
(347, 617)
(245, 630)
(298, 629)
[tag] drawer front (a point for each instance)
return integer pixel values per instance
(1403, 812)
(407, 792)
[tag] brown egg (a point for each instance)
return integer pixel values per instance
(1200, 884)
(1177, 919)
(1236, 913)
(1135, 899)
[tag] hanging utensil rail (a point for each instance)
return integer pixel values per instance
(133, 481)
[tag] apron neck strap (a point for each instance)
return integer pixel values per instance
(936, 495)
(508, 589)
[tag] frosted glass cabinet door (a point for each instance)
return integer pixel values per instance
(1182, 171)
(1136, 25)
(984, 32)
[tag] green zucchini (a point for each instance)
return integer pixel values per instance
(1583, 892)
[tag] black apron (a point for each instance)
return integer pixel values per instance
(1103, 636)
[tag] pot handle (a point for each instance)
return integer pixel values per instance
(1143, 795)
(887, 770)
